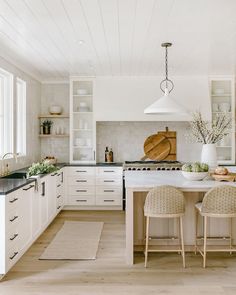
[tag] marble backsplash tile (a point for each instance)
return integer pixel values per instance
(127, 139)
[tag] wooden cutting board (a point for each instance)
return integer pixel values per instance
(160, 146)
(231, 177)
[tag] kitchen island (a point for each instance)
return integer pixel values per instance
(138, 183)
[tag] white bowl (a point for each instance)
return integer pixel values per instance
(219, 91)
(55, 110)
(82, 91)
(194, 175)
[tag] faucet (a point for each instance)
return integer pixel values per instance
(5, 170)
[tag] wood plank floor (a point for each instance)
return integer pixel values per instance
(109, 274)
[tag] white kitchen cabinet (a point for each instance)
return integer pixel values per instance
(222, 92)
(82, 124)
(94, 188)
(24, 215)
(50, 189)
(26, 219)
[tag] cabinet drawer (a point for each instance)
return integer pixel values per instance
(81, 180)
(12, 201)
(81, 191)
(82, 200)
(73, 171)
(12, 218)
(109, 171)
(108, 200)
(108, 181)
(13, 235)
(12, 256)
(108, 191)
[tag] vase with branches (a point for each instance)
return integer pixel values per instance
(210, 133)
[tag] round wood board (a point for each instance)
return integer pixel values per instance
(156, 147)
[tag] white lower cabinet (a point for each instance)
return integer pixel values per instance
(94, 187)
(25, 214)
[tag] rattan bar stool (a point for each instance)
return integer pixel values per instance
(219, 202)
(164, 202)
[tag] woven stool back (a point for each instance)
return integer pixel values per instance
(164, 200)
(220, 200)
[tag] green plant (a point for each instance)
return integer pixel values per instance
(47, 123)
(40, 168)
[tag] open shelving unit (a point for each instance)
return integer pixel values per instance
(55, 124)
(82, 125)
(222, 94)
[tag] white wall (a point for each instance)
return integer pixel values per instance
(56, 94)
(125, 98)
(127, 139)
(33, 110)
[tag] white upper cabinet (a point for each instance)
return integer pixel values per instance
(82, 124)
(222, 92)
(125, 98)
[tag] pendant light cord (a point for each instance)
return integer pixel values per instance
(166, 67)
(166, 80)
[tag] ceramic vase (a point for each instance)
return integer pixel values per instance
(209, 155)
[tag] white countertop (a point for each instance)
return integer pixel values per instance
(144, 180)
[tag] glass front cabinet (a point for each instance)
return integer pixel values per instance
(82, 125)
(222, 93)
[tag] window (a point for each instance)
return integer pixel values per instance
(6, 112)
(20, 117)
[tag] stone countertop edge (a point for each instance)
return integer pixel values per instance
(8, 185)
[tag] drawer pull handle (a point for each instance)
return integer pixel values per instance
(109, 180)
(109, 171)
(54, 174)
(14, 218)
(81, 190)
(81, 200)
(58, 207)
(26, 189)
(58, 185)
(108, 190)
(82, 180)
(13, 238)
(12, 257)
(14, 200)
(108, 200)
(58, 196)
(81, 171)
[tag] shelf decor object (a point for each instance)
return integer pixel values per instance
(210, 133)
(82, 124)
(166, 105)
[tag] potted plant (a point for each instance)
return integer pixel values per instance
(209, 133)
(47, 124)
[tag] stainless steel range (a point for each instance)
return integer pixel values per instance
(152, 165)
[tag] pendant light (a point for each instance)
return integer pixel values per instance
(166, 105)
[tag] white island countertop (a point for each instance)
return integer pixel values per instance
(145, 180)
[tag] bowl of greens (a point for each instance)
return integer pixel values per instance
(195, 171)
(40, 168)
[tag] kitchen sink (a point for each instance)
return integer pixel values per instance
(16, 175)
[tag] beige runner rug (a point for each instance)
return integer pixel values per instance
(75, 241)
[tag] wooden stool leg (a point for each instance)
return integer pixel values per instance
(205, 241)
(147, 239)
(179, 236)
(182, 240)
(196, 228)
(230, 234)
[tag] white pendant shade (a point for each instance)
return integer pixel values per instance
(165, 105)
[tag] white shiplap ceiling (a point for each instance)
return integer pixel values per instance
(53, 39)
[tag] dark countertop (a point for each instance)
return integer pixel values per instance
(8, 185)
